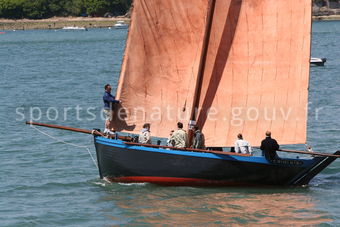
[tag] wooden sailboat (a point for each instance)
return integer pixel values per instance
(217, 64)
(122, 161)
(197, 55)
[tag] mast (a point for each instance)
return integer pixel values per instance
(198, 86)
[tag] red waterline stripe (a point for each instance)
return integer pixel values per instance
(174, 181)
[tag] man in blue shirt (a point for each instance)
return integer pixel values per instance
(109, 101)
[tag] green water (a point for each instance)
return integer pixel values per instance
(48, 183)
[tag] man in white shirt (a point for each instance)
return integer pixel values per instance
(242, 146)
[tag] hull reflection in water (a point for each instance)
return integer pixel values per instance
(121, 162)
(196, 207)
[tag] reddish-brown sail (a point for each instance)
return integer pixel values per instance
(255, 77)
(160, 64)
(257, 72)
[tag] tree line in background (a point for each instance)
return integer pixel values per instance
(325, 3)
(39, 9)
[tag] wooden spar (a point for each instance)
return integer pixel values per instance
(188, 149)
(198, 86)
(61, 127)
(203, 59)
(311, 153)
(126, 138)
(308, 153)
(93, 132)
(230, 153)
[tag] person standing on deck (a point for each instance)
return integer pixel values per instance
(198, 140)
(109, 101)
(242, 146)
(144, 135)
(179, 137)
(269, 146)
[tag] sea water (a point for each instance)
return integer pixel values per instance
(48, 177)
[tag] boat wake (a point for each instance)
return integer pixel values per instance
(133, 184)
(102, 184)
(108, 182)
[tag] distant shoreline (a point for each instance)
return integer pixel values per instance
(326, 18)
(59, 22)
(88, 22)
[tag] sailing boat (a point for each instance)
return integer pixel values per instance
(232, 51)
(216, 64)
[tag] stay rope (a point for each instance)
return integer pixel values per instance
(67, 143)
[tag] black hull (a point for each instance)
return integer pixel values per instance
(134, 164)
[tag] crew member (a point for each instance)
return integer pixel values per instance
(144, 135)
(269, 147)
(198, 140)
(170, 142)
(179, 137)
(109, 101)
(242, 146)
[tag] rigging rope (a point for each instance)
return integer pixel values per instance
(67, 143)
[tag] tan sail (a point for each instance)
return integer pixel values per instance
(257, 72)
(256, 75)
(160, 65)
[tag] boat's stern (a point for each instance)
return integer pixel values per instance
(320, 164)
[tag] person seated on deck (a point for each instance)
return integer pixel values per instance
(109, 100)
(309, 148)
(170, 142)
(198, 140)
(111, 133)
(269, 147)
(242, 146)
(144, 135)
(180, 137)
